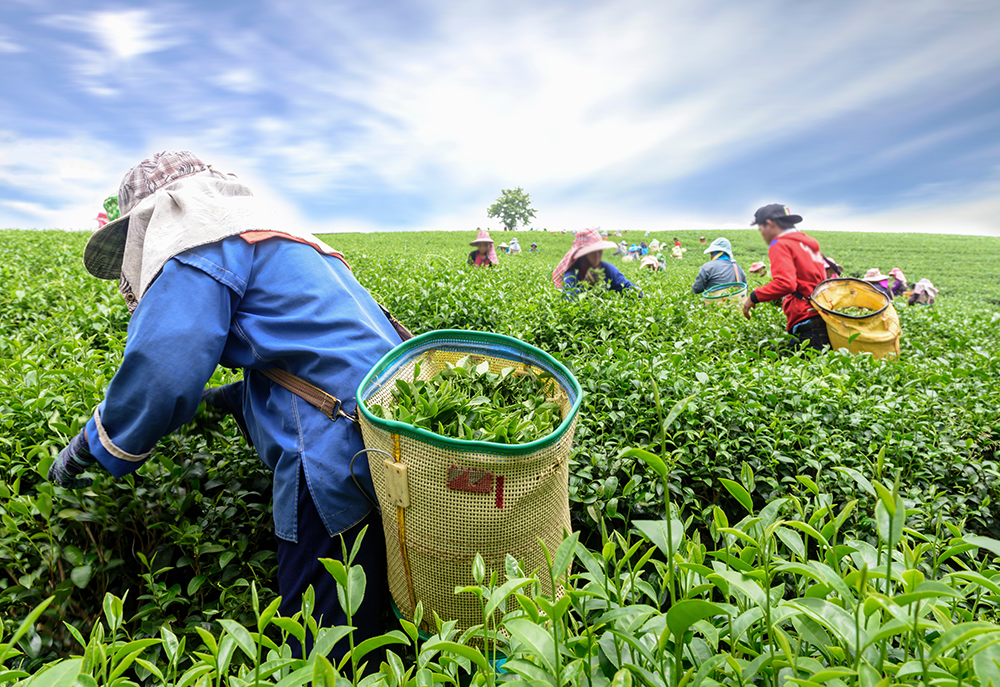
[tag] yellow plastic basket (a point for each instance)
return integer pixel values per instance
(876, 332)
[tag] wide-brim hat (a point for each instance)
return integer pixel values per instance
(105, 249)
(720, 245)
(757, 266)
(874, 274)
(481, 237)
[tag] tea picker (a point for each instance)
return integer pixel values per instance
(797, 266)
(212, 277)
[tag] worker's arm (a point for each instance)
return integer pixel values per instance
(701, 280)
(783, 274)
(175, 340)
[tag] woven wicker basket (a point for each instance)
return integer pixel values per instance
(459, 498)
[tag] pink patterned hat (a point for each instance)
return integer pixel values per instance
(482, 237)
(586, 241)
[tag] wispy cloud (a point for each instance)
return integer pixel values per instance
(412, 114)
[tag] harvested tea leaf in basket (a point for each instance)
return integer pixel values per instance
(467, 401)
(855, 311)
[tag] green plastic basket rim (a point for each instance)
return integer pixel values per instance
(533, 355)
(727, 285)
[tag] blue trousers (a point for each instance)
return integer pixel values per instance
(299, 567)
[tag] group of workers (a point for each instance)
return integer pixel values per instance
(210, 277)
(796, 266)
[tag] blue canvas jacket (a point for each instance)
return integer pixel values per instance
(276, 303)
(613, 277)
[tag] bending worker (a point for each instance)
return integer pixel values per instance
(583, 263)
(720, 269)
(210, 277)
(797, 267)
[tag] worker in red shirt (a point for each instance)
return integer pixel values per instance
(797, 266)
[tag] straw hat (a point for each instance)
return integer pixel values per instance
(874, 274)
(482, 237)
(585, 242)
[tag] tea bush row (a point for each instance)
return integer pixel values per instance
(185, 540)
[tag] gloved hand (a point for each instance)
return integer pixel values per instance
(228, 400)
(72, 461)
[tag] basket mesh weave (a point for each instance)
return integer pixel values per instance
(521, 496)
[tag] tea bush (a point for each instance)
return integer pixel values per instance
(186, 543)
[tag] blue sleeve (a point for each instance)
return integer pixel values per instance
(175, 340)
(701, 279)
(570, 286)
(616, 280)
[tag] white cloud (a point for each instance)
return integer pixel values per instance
(9, 46)
(614, 94)
(117, 40)
(58, 182)
(469, 97)
(239, 81)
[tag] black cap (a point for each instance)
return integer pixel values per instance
(775, 212)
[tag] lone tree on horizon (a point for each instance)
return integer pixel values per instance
(513, 207)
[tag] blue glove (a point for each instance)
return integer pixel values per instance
(72, 461)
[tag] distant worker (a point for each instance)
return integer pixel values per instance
(583, 264)
(720, 269)
(650, 263)
(924, 293)
(898, 287)
(797, 266)
(514, 247)
(758, 268)
(504, 247)
(484, 255)
(701, 239)
(533, 248)
(880, 281)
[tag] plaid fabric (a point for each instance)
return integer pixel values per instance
(586, 241)
(103, 255)
(154, 173)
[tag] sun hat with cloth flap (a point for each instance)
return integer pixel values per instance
(172, 202)
(482, 237)
(874, 274)
(103, 254)
(720, 245)
(586, 241)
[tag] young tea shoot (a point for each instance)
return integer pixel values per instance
(467, 401)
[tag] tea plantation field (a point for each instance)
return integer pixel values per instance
(832, 518)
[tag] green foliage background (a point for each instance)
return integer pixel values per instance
(183, 540)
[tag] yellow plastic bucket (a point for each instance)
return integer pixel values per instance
(876, 332)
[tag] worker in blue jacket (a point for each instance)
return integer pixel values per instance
(212, 278)
(584, 263)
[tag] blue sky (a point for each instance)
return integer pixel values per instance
(878, 116)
